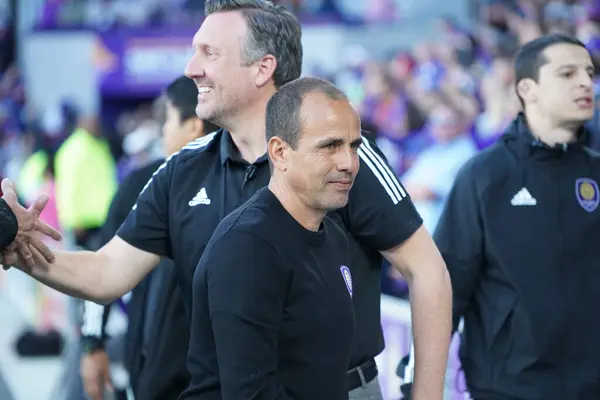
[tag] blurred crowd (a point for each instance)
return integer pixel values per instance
(109, 14)
(431, 107)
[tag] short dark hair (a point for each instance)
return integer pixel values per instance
(272, 30)
(183, 95)
(530, 57)
(283, 109)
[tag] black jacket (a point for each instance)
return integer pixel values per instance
(519, 235)
(8, 225)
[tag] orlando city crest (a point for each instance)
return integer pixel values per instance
(587, 193)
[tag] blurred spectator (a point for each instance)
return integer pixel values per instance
(430, 178)
(86, 180)
(499, 103)
(383, 104)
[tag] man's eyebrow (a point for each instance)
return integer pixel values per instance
(330, 141)
(357, 142)
(201, 45)
(588, 67)
(565, 66)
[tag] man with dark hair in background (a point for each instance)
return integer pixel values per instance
(519, 235)
(156, 300)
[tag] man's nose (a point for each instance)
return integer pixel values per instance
(586, 80)
(348, 161)
(194, 68)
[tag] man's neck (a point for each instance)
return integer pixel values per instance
(544, 130)
(248, 131)
(309, 218)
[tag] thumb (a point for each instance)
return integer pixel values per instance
(8, 188)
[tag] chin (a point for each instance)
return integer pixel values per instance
(204, 112)
(336, 203)
(579, 119)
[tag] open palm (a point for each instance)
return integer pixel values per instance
(29, 227)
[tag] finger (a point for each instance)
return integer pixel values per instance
(47, 230)
(10, 258)
(38, 258)
(38, 205)
(45, 252)
(25, 253)
(7, 188)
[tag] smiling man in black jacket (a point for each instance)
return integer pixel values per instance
(520, 238)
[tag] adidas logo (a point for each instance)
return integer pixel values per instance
(523, 198)
(200, 198)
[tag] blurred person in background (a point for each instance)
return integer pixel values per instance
(155, 357)
(139, 135)
(86, 180)
(350, 74)
(519, 236)
(430, 178)
(384, 106)
(388, 106)
(140, 146)
(499, 103)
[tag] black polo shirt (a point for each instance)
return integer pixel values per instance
(273, 316)
(179, 209)
(189, 195)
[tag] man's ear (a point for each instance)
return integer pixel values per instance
(266, 67)
(278, 151)
(526, 89)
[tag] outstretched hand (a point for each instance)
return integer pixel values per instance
(29, 226)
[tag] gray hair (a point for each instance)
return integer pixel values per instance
(272, 30)
(283, 109)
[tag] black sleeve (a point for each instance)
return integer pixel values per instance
(459, 237)
(8, 225)
(246, 294)
(379, 211)
(147, 225)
